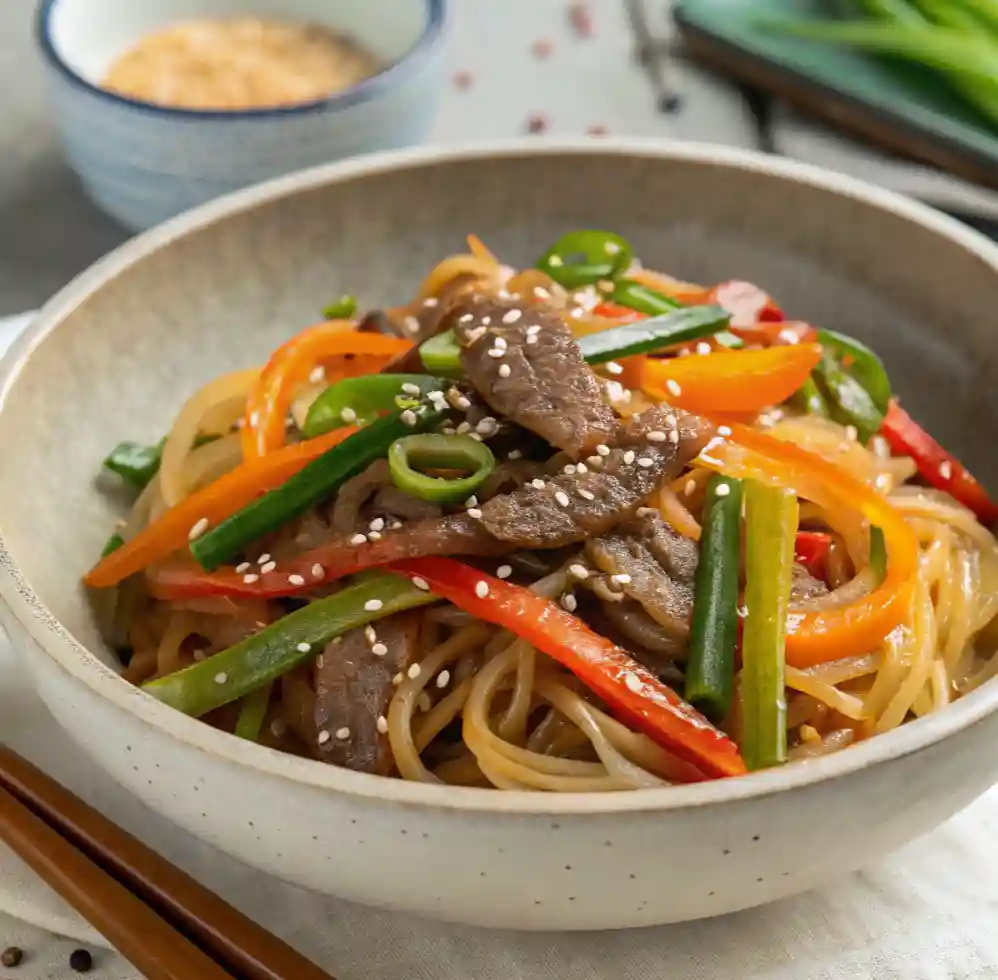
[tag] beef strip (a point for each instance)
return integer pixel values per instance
(653, 564)
(540, 381)
(354, 688)
(609, 488)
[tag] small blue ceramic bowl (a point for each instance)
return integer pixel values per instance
(143, 163)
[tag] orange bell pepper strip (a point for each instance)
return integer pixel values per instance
(740, 381)
(775, 334)
(829, 634)
(215, 502)
(290, 365)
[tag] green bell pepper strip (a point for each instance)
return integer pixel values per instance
(113, 543)
(263, 657)
(771, 515)
(678, 326)
(342, 309)
(849, 401)
(862, 364)
(251, 714)
(637, 296)
(710, 665)
(137, 464)
(810, 399)
(310, 485)
(584, 257)
(359, 401)
(878, 553)
(434, 451)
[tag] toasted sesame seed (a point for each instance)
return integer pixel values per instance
(499, 342)
(264, 558)
(474, 513)
(343, 733)
(421, 583)
(672, 386)
(622, 578)
(250, 579)
(724, 430)
(199, 528)
(562, 498)
(379, 649)
(242, 568)
(613, 367)
(690, 488)
(629, 457)
(586, 494)
(595, 461)
(323, 737)
(569, 470)
(674, 436)
(703, 348)
(603, 449)
(443, 678)
(373, 535)
(408, 417)
(465, 318)
(645, 462)
(410, 324)
(370, 634)
(382, 725)
(569, 602)
(496, 352)
(410, 389)
(946, 470)
(373, 605)
(269, 567)
(481, 589)
(538, 484)
(395, 525)
(578, 571)
(505, 370)
(515, 454)
(633, 682)
(486, 320)
(358, 539)
(414, 671)
(296, 580)
(221, 678)
(534, 328)
(304, 647)
(722, 490)
(541, 293)
(511, 316)
(348, 414)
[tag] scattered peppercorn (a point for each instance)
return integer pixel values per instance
(81, 961)
(537, 123)
(463, 79)
(670, 104)
(12, 956)
(580, 18)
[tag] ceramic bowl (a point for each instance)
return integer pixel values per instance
(115, 353)
(144, 163)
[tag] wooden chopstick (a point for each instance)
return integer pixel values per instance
(122, 886)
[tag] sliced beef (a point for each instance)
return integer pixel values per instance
(527, 366)
(608, 487)
(651, 563)
(638, 628)
(354, 686)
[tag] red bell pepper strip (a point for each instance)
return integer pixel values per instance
(633, 692)
(811, 550)
(940, 468)
(775, 334)
(614, 311)
(746, 303)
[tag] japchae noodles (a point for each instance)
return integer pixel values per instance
(577, 527)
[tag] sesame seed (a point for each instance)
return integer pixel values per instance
(724, 430)
(555, 261)
(670, 421)
(378, 524)
(382, 725)
(605, 286)
(323, 737)
(511, 316)
(621, 578)
(464, 427)
(463, 403)
(673, 388)
(408, 417)
(496, 352)
(581, 468)
(629, 457)
(482, 589)
(475, 334)
(304, 647)
(296, 580)
(946, 470)
(487, 426)
(569, 602)
(278, 728)
(703, 348)
(645, 462)
(674, 436)
(852, 433)
(430, 302)
(613, 367)
(505, 370)
(562, 498)
(395, 525)
(414, 671)
(263, 559)
(690, 488)
(221, 678)
(515, 454)
(269, 567)
(373, 605)
(410, 324)
(578, 571)
(348, 414)
(538, 484)
(603, 449)
(534, 328)
(569, 470)
(317, 375)
(586, 494)
(242, 568)
(633, 682)
(379, 649)
(443, 678)
(370, 634)
(410, 389)
(611, 248)
(474, 513)
(421, 583)
(789, 336)
(423, 702)
(722, 490)
(645, 512)
(499, 342)
(373, 535)
(656, 435)
(250, 579)
(486, 320)
(199, 655)
(504, 571)
(358, 539)
(343, 733)
(199, 528)
(541, 293)
(595, 461)
(465, 318)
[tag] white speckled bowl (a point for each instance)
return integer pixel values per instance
(144, 163)
(114, 354)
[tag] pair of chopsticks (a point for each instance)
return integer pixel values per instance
(159, 918)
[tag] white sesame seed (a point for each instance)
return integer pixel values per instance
(671, 421)
(555, 261)
(487, 426)
(414, 671)
(645, 462)
(421, 583)
(581, 468)
(278, 728)
(269, 567)
(690, 488)
(586, 494)
(221, 678)
(674, 436)
(511, 316)
(370, 634)
(474, 513)
(486, 320)
(538, 484)
(343, 733)
(534, 328)
(379, 649)
(395, 525)
(621, 578)
(317, 375)
(496, 352)
(199, 528)
(348, 414)
(296, 580)
(373, 605)
(323, 737)
(443, 678)
(613, 367)
(373, 535)
(562, 498)
(605, 286)
(645, 512)
(378, 524)
(541, 293)
(358, 539)
(531, 338)
(629, 457)
(242, 568)
(474, 335)
(472, 501)
(633, 682)
(569, 602)
(595, 461)
(673, 388)
(465, 318)
(304, 647)
(430, 302)
(481, 589)
(724, 430)
(515, 454)
(611, 248)
(382, 725)
(656, 435)
(499, 342)
(578, 571)
(410, 389)
(569, 470)
(410, 324)
(250, 579)
(263, 559)
(789, 336)
(703, 348)
(408, 417)
(722, 490)
(464, 427)
(463, 403)
(603, 450)
(946, 470)
(505, 370)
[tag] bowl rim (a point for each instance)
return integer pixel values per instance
(22, 609)
(365, 90)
